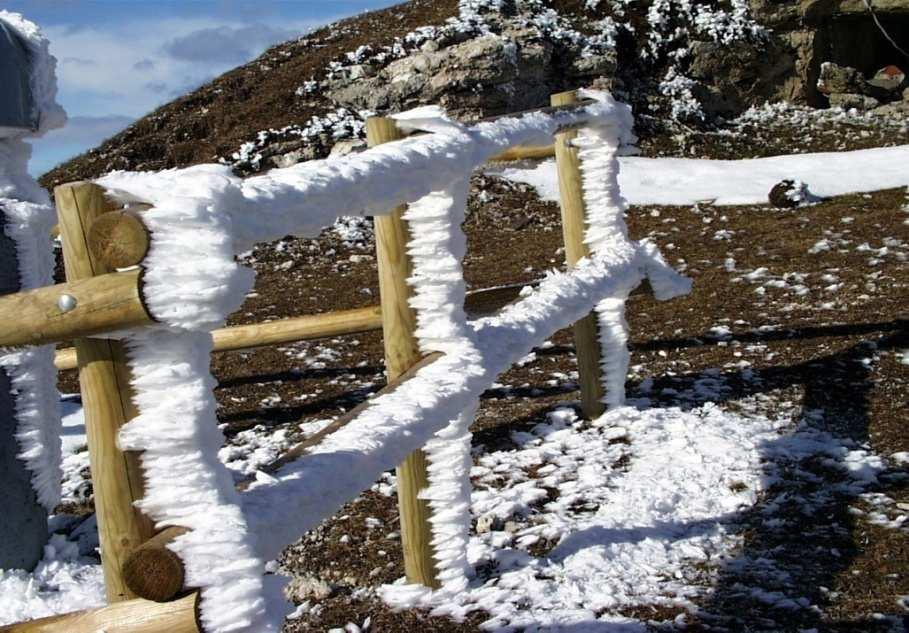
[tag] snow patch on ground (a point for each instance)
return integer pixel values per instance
(685, 181)
(63, 582)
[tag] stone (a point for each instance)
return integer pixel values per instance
(840, 79)
(732, 77)
(477, 77)
(302, 588)
(488, 522)
(906, 94)
(348, 146)
(889, 78)
(852, 101)
(782, 195)
(898, 110)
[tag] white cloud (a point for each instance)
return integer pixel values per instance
(111, 74)
(225, 44)
(79, 134)
(129, 68)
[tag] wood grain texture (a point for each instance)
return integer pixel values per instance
(131, 616)
(401, 352)
(571, 199)
(240, 337)
(119, 239)
(103, 304)
(154, 572)
(524, 152)
(106, 399)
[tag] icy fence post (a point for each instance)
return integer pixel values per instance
(571, 200)
(104, 381)
(399, 322)
(23, 522)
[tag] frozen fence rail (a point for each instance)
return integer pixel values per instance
(198, 220)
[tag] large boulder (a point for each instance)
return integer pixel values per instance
(852, 101)
(840, 79)
(733, 77)
(480, 76)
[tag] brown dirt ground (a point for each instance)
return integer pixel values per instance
(815, 358)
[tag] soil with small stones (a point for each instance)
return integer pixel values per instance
(809, 347)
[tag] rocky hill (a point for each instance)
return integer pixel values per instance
(685, 62)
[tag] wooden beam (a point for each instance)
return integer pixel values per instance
(132, 616)
(104, 380)
(571, 199)
(239, 337)
(154, 572)
(72, 310)
(399, 323)
(119, 239)
(524, 152)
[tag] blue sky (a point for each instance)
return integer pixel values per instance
(119, 59)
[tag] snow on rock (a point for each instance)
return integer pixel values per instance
(686, 181)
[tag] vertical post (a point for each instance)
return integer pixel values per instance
(106, 399)
(23, 522)
(571, 198)
(401, 352)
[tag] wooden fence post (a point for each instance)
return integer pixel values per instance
(106, 399)
(571, 198)
(401, 352)
(23, 522)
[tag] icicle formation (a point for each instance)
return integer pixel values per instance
(186, 485)
(29, 217)
(31, 371)
(437, 248)
(606, 225)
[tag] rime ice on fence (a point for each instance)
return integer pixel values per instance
(28, 375)
(203, 215)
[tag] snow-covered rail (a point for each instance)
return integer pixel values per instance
(201, 217)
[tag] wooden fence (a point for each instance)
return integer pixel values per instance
(139, 570)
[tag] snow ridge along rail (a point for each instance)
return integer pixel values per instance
(216, 538)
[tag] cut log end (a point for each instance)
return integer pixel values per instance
(119, 239)
(154, 572)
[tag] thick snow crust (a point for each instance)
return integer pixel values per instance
(684, 181)
(29, 217)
